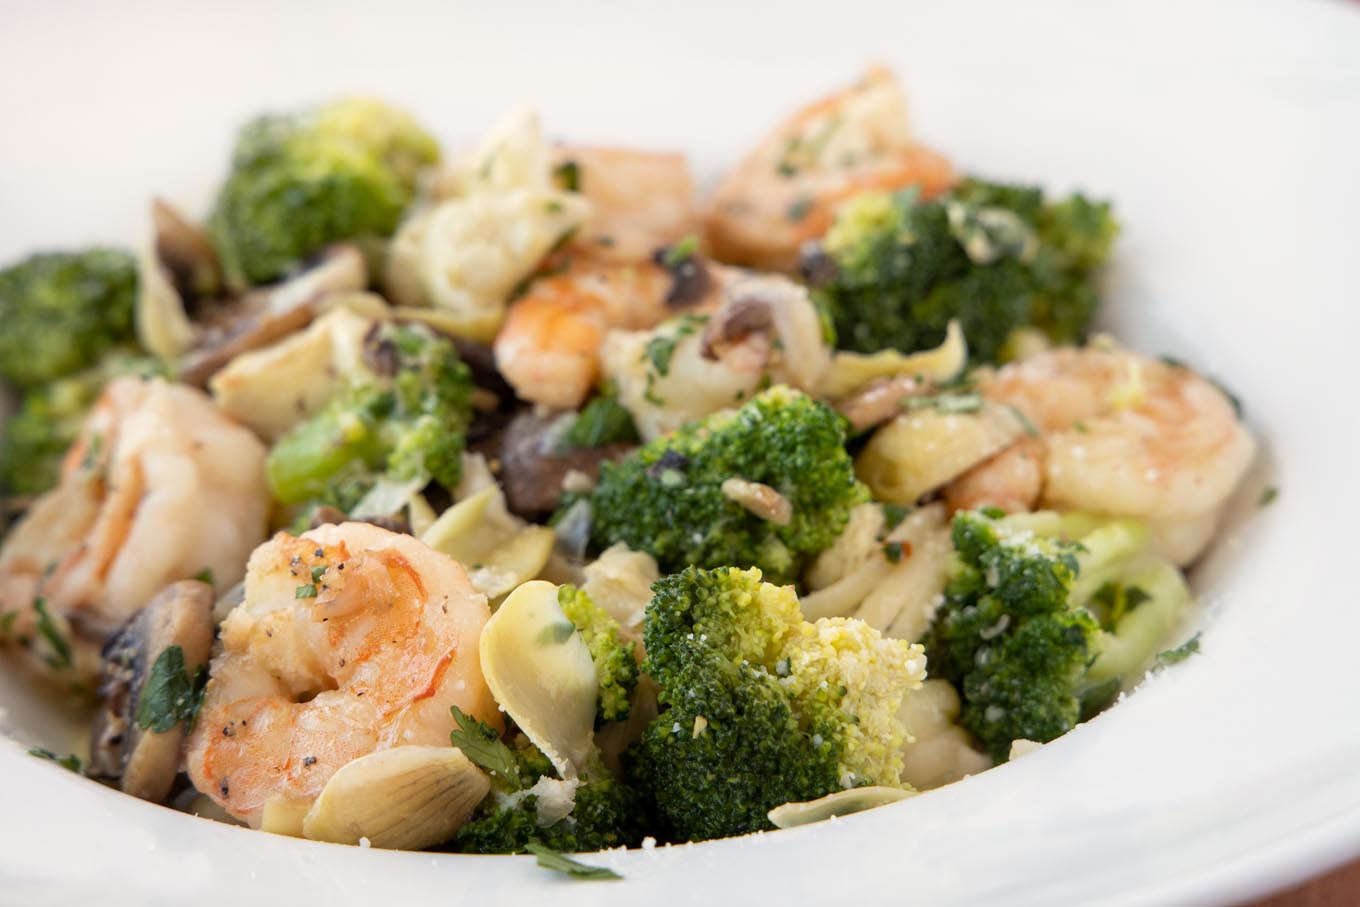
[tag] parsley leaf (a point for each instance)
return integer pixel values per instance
(893, 551)
(307, 591)
(568, 175)
(171, 695)
(480, 743)
(70, 763)
(679, 253)
(1180, 653)
(47, 627)
(551, 859)
(205, 576)
(1268, 496)
(603, 421)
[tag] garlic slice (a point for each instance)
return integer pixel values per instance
(404, 798)
(841, 803)
(539, 670)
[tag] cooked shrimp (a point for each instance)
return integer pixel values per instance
(788, 188)
(350, 640)
(1130, 436)
(1012, 480)
(640, 201)
(549, 347)
(159, 486)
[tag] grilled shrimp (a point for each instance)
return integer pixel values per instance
(158, 487)
(1126, 435)
(640, 201)
(351, 639)
(549, 347)
(787, 189)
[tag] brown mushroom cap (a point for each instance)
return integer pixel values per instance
(143, 762)
(532, 466)
(267, 314)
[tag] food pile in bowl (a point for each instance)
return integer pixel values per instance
(525, 498)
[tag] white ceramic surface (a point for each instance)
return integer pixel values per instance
(1227, 133)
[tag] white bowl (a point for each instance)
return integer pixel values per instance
(1225, 133)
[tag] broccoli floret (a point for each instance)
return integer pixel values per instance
(404, 421)
(603, 812)
(760, 707)
(667, 498)
(37, 436)
(298, 182)
(1046, 618)
(616, 666)
(997, 258)
(61, 311)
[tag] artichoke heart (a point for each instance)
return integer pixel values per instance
(540, 671)
(404, 798)
(500, 551)
(922, 450)
(852, 371)
(841, 803)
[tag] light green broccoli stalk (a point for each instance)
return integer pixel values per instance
(616, 667)
(403, 421)
(673, 498)
(60, 312)
(300, 181)
(894, 271)
(1047, 618)
(760, 707)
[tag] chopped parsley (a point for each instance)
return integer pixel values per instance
(799, 209)
(893, 551)
(171, 695)
(551, 859)
(555, 634)
(1268, 496)
(603, 421)
(205, 576)
(307, 591)
(966, 402)
(71, 763)
(1180, 653)
(679, 253)
(893, 515)
(1024, 420)
(568, 175)
(317, 572)
(47, 628)
(480, 743)
(7, 620)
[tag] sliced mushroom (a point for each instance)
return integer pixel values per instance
(186, 252)
(841, 803)
(404, 798)
(540, 671)
(143, 761)
(269, 313)
(780, 310)
(533, 466)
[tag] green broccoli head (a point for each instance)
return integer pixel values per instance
(760, 707)
(298, 182)
(997, 258)
(616, 666)
(403, 420)
(61, 311)
(1046, 618)
(37, 437)
(668, 497)
(605, 813)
